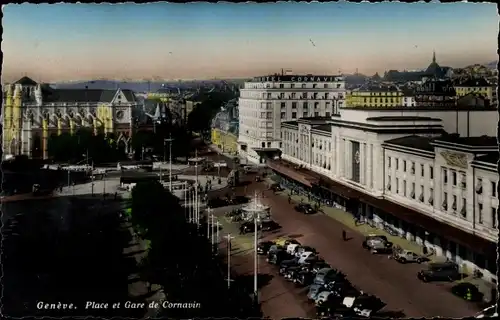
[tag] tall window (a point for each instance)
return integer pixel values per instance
(480, 213)
(404, 187)
(493, 217)
(397, 186)
(431, 172)
(493, 188)
(454, 177)
(404, 165)
(445, 176)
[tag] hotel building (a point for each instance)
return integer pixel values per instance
(266, 102)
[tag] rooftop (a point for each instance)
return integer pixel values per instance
(25, 81)
(402, 118)
(372, 87)
(482, 141)
(471, 82)
(414, 141)
(491, 158)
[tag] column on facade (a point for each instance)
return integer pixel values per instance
(438, 187)
(362, 164)
(337, 156)
(379, 172)
(393, 176)
(45, 137)
(348, 158)
(27, 137)
(369, 169)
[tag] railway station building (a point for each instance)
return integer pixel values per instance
(428, 173)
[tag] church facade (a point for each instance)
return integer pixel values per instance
(32, 112)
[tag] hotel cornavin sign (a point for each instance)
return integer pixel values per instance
(308, 78)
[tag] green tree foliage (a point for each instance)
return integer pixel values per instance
(200, 118)
(76, 147)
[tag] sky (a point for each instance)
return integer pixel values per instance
(64, 42)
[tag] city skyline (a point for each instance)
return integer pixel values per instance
(66, 42)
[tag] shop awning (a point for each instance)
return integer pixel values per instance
(288, 169)
(406, 214)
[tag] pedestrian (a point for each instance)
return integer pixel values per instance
(289, 199)
(308, 197)
(344, 235)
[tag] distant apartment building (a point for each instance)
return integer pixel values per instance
(375, 95)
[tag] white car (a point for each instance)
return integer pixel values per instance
(291, 248)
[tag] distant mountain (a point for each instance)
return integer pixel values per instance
(491, 65)
(355, 79)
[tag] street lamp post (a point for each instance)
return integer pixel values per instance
(196, 190)
(217, 224)
(255, 265)
(169, 140)
(229, 238)
(186, 201)
(213, 235)
(209, 210)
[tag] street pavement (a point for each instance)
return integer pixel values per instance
(396, 284)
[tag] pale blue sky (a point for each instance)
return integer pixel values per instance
(77, 41)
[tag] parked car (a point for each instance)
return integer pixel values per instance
(303, 278)
(301, 249)
(467, 291)
(263, 247)
(315, 289)
(490, 312)
(377, 244)
(276, 187)
(270, 225)
(248, 227)
(443, 271)
(327, 275)
(406, 256)
(217, 202)
(305, 208)
(277, 256)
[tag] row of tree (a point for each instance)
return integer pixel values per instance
(179, 258)
(199, 120)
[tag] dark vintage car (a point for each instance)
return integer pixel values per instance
(270, 225)
(276, 187)
(439, 271)
(277, 256)
(248, 227)
(263, 247)
(217, 202)
(377, 244)
(305, 208)
(467, 291)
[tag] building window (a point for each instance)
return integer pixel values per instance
(283, 115)
(445, 201)
(327, 114)
(404, 165)
(463, 211)
(431, 172)
(292, 85)
(283, 105)
(412, 194)
(431, 197)
(412, 168)
(282, 85)
(294, 115)
(479, 186)
(396, 161)
(293, 95)
(316, 114)
(454, 177)
(388, 162)
(303, 86)
(454, 204)
(480, 213)
(422, 174)
(421, 197)
(493, 217)
(493, 189)
(304, 114)
(294, 105)
(263, 144)
(404, 188)
(304, 105)
(281, 145)
(445, 176)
